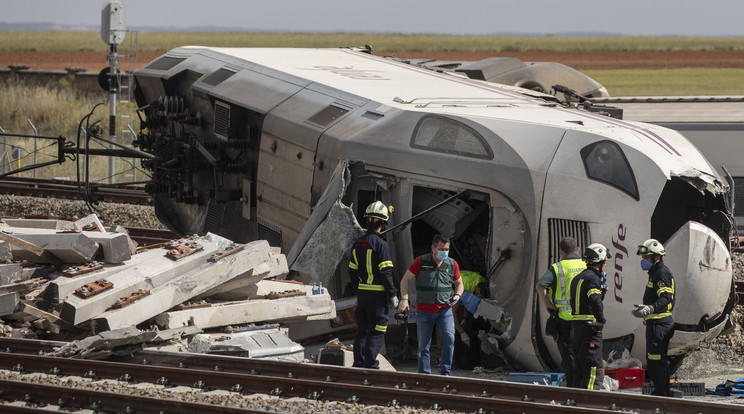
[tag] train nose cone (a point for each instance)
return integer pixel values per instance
(702, 269)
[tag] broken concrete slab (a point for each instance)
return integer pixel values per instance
(270, 343)
(238, 288)
(8, 303)
(145, 271)
(186, 286)
(89, 223)
(175, 334)
(343, 322)
(123, 230)
(6, 255)
(262, 288)
(10, 273)
(249, 311)
(34, 272)
(345, 358)
(48, 224)
(106, 341)
(67, 247)
(115, 246)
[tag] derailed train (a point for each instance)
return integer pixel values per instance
(257, 143)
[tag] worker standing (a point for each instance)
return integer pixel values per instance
(656, 311)
(437, 275)
(553, 289)
(587, 292)
(371, 267)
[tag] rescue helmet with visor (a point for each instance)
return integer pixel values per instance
(651, 247)
(596, 253)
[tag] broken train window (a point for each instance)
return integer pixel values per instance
(440, 134)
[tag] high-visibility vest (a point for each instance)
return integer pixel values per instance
(565, 271)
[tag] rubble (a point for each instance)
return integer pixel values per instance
(94, 287)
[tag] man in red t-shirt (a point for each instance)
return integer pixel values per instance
(437, 275)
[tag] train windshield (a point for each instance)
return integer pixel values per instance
(605, 161)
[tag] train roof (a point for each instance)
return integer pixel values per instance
(411, 88)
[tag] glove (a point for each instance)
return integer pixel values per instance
(394, 301)
(465, 338)
(642, 310)
(453, 300)
(597, 326)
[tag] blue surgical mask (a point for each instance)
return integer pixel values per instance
(645, 264)
(442, 254)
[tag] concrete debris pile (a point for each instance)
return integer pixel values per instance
(76, 279)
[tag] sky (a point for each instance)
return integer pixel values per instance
(467, 17)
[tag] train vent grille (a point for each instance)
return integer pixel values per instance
(221, 119)
(270, 233)
(560, 228)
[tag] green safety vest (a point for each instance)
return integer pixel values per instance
(565, 271)
(434, 285)
(471, 279)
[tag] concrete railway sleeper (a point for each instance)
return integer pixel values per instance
(342, 384)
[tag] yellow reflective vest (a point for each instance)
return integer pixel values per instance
(565, 271)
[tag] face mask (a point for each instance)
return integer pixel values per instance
(645, 264)
(442, 254)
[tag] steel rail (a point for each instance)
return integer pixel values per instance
(287, 386)
(68, 189)
(107, 401)
(381, 387)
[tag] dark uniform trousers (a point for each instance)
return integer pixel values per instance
(565, 347)
(657, 345)
(588, 353)
(371, 316)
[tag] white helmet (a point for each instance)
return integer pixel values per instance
(596, 253)
(651, 246)
(378, 211)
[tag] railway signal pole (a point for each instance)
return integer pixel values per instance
(112, 33)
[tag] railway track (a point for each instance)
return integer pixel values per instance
(328, 383)
(49, 187)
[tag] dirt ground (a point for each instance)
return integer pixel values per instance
(95, 61)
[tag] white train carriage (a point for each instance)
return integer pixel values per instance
(248, 140)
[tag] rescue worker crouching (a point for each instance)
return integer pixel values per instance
(656, 311)
(371, 267)
(553, 289)
(587, 292)
(467, 353)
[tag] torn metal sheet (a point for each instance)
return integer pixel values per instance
(702, 181)
(272, 343)
(329, 243)
(329, 232)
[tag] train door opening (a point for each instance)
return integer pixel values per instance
(465, 220)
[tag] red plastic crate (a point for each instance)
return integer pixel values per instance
(628, 377)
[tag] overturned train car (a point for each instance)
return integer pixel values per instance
(247, 142)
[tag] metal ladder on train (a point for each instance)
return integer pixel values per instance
(128, 63)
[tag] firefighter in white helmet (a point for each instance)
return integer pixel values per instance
(587, 291)
(371, 269)
(656, 311)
